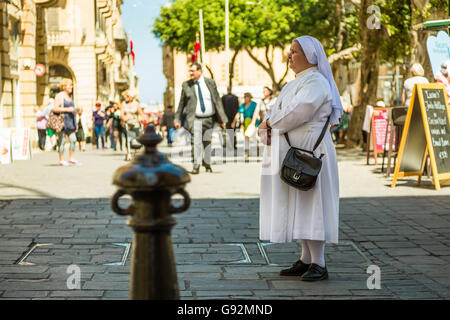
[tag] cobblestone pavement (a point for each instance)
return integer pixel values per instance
(52, 217)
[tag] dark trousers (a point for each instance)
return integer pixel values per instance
(42, 135)
(201, 141)
(230, 136)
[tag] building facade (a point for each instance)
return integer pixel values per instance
(81, 40)
(22, 35)
(86, 44)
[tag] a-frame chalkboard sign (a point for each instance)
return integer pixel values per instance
(426, 132)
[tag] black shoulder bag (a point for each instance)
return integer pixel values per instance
(300, 167)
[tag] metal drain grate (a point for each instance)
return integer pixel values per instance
(255, 253)
(56, 256)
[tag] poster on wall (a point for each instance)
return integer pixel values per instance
(5, 146)
(20, 144)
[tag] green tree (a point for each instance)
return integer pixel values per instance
(395, 41)
(267, 24)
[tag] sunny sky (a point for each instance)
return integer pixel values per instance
(138, 16)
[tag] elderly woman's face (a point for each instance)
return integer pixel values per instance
(296, 57)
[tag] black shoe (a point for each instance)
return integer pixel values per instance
(208, 169)
(297, 269)
(315, 273)
(196, 170)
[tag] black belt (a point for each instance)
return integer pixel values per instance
(207, 117)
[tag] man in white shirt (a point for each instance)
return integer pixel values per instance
(201, 102)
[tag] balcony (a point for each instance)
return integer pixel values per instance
(121, 44)
(59, 38)
(101, 42)
(47, 3)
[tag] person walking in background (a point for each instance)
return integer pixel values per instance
(203, 106)
(81, 131)
(231, 106)
(108, 126)
(265, 104)
(302, 110)
(443, 77)
(417, 73)
(117, 129)
(247, 112)
(98, 117)
(168, 124)
(132, 115)
(64, 104)
(41, 125)
(51, 134)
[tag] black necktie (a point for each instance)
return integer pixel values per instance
(200, 96)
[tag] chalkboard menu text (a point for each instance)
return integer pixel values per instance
(426, 132)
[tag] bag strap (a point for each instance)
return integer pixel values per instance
(322, 134)
(324, 130)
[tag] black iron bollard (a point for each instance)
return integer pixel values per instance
(151, 180)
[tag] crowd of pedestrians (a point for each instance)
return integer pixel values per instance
(60, 122)
(117, 125)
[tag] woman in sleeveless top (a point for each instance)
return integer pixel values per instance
(130, 111)
(64, 104)
(265, 104)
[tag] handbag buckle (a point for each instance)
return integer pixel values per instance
(296, 176)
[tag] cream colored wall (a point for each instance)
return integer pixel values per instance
(86, 47)
(27, 77)
(77, 18)
(4, 68)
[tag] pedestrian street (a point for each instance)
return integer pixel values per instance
(48, 224)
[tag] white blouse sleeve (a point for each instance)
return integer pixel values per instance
(301, 109)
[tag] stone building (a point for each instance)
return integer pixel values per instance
(86, 43)
(82, 40)
(23, 45)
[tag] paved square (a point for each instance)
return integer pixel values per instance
(52, 217)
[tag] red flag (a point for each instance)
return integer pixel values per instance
(132, 52)
(196, 46)
(194, 57)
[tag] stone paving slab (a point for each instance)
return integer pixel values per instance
(405, 231)
(205, 268)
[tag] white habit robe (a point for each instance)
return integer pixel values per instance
(286, 213)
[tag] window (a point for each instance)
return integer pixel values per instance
(13, 39)
(53, 19)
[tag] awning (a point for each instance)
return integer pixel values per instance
(436, 25)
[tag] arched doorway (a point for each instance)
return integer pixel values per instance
(57, 73)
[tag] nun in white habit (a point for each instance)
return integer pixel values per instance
(302, 110)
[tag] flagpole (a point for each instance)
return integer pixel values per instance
(131, 71)
(202, 38)
(227, 45)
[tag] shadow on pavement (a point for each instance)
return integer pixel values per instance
(31, 190)
(218, 253)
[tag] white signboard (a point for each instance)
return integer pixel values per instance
(20, 144)
(5, 146)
